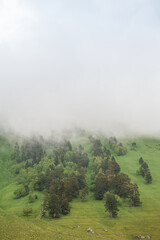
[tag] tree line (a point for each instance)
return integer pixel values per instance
(144, 171)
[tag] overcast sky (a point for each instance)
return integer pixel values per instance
(93, 64)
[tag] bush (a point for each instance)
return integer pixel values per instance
(27, 211)
(32, 198)
(21, 192)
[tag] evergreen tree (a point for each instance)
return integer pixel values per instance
(148, 177)
(97, 148)
(134, 195)
(143, 169)
(54, 205)
(111, 204)
(71, 188)
(101, 186)
(65, 207)
(121, 185)
(141, 160)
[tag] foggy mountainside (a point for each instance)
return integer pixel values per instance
(61, 187)
(79, 119)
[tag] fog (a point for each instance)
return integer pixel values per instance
(89, 64)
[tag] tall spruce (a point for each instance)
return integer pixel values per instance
(111, 204)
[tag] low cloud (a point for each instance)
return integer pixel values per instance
(90, 64)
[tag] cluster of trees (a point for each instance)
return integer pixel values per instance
(118, 148)
(144, 171)
(106, 177)
(59, 172)
(98, 149)
(31, 149)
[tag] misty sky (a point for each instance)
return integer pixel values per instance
(93, 64)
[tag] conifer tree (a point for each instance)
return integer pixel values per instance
(111, 204)
(141, 160)
(134, 195)
(148, 177)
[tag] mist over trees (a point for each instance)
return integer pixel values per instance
(60, 170)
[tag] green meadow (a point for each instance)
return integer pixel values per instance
(131, 221)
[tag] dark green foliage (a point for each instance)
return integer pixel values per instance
(141, 160)
(81, 177)
(119, 149)
(31, 149)
(143, 168)
(80, 158)
(111, 204)
(148, 177)
(113, 166)
(52, 205)
(59, 154)
(16, 153)
(40, 182)
(21, 192)
(134, 195)
(32, 198)
(101, 186)
(71, 188)
(55, 202)
(104, 164)
(65, 207)
(106, 152)
(144, 171)
(60, 171)
(68, 146)
(97, 148)
(107, 177)
(122, 185)
(27, 211)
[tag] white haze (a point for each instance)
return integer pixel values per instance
(91, 64)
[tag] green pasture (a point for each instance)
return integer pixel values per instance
(144, 220)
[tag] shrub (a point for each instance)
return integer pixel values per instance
(27, 211)
(21, 192)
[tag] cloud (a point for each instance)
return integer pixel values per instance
(15, 17)
(91, 64)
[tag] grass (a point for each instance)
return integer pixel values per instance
(130, 221)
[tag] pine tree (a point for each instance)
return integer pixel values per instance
(148, 177)
(141, 160)
(101, 186)
(134, 195)
(111, 204)
(65, 207)
(143, 168)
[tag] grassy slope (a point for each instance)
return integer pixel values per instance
(130, 221)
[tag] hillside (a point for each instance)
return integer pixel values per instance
(131, 221)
